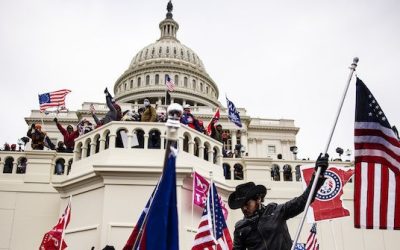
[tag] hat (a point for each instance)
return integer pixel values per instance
(186, 106)
(38, 126)
(146, 100)
(244, 192)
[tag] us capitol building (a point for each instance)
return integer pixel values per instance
(111, 185)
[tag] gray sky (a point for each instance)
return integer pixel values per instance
(278, 59)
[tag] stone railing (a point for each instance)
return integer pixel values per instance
(268, 169)
(145, 135)
(34, 165)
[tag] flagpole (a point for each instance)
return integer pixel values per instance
(314, 184)
(63, 231)
(193, 187)
(174, 112)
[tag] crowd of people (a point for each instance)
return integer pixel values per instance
(147, 113)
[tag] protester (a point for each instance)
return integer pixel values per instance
(189, 119)
(69, 136)
(114, 113)
(61, 147)
(149, 114)
(7, 147)
(264, 227)
(84, 127)
(37, 136)
(216, 131)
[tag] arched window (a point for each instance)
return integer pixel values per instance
(298, 175)
(207, 89)
(154, 139)
(185, 82)
(196, 146)
(176, 80)
(147, 80)
(206, 149)
(59, 167)
(69, 166)
(125, 86)
(287, 173)
(21, 167)
(275, 173)
(201, 86)
(8, 165)
(186, 143)
(227, 171)
(140, 138)
(132, 84)
(121, 139)
(238, 172)
(157, 79)
(107, 143)
(194, 84)
(139, 81)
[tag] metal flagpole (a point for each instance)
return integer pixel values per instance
(173, 124)
(314, 184)
(193, 187)
(213, 205)
(63, 231)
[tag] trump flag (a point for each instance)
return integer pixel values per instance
(328, 202)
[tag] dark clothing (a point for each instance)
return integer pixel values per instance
(267, 229)
(215, 134)
(188, 119)
(69, 138)
(37, 139)
(114, 113)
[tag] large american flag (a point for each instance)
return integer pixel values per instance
(312, 243)
(170, 84)
(53, 99)
(212, 232)
(377, 155)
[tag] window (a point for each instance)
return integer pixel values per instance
(176, 80)
(139, 81)
(271, 149)
(131, 84)
(157, 79)
(185, 82)
(201, 86)
(194, 84)
(125, 86)
(207, 89)
(147, 80)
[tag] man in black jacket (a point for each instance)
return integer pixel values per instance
(264, 227)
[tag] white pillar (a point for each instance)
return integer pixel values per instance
(162, 141)
(102, 144)
(146, 141)
(243, 141)
(92, 148)
(210, 155)
(281, 174)
(233, 140)
(201, 152)
(191, 147)
(180, 143)
(84, 151)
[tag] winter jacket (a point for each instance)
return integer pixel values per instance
(114, 113)
(149, 115)
(69, 138)
(37, 139)
(215, 134)
(267, 229)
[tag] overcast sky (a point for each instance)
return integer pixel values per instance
(278, 59)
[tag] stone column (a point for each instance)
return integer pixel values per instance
(210, 155)
(1, 167)
(84, 151)
(243, 141)
(112, 140)
(162, 141)
(293, 174)
(191, 147)
(102, 144)
(14, 169)
(201, 152)
(180, 143)
(233, 140)
(146, 141)
(219, 159)
(92, 148)
(281, 174)
(77, 154)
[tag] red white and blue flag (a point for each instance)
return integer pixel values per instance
(170, 84)
(214, 120)
(213, 230)
(312, 242)
(53, 99)
(53, 239)
(377, 165)
(157, 227)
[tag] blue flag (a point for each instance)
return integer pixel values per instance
(233, 114)
(157, 227)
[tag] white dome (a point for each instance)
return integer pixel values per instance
(167, 49)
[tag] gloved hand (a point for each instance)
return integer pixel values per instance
(55, 119)
(322, 162)
(106, 91)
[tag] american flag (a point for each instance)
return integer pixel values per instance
(212, 232)
(312, 243)
(170, 84)
(53, 99)
(377, 155)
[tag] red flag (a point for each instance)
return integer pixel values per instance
(52, 239)
(328, 203)
(214, 120)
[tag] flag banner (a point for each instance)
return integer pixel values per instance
(300, 246)
(214, 120)
(233, 114)
(207, 235)
(312, 242)
(200, 189)
(52, 239)
(377, 165)
(169, 83)
(157, 227)
(328, 202)
(53, 99)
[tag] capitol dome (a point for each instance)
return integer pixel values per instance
(145, 76)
